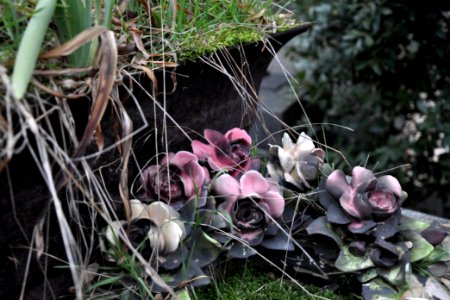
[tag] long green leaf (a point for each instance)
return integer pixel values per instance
(73, 17)
(30, 46)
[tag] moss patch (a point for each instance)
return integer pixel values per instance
(250, 284)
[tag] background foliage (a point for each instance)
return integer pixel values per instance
(382, 68)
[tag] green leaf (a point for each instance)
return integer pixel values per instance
(395, 275)
(322, 227)
(348, 262)
(30, 46)
(407, 223)
(377, 289)
(327, 169)
(204, 249)
(183, 295)
(440, 252)
(240, 250)
(368, 275)
(421, 248)
(280, 241)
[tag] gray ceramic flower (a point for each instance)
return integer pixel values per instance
(297, 164)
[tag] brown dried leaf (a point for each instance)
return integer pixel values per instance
(104, 84)
(56, 93)
(75, 43)
(151, 75)
(99, 137)
(127, 130)
(138, 41)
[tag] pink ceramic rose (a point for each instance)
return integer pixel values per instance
(177, 179)
(229, 151)
(253, 202)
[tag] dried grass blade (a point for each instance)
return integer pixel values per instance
(67, 72)
(75, 43)
(138, 41)
(30, 46)
(105, 82)
(127, 130)
(150, 74)
(56, 93)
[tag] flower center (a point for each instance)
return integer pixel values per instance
(138, 235)
(238, 152)
(168, 184)
(382, 200)
(248, 216)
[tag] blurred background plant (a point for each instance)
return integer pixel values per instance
(382, 69)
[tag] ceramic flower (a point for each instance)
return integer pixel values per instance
(155, 226)
(252, 203)
(229, 151)
(297, 164)
(177, 179)
(363, 202)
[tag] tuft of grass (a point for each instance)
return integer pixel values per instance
(251, 284)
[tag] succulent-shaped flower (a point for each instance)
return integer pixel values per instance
(155, 226)
(252, 203)
(363, 202)
(177, 179)
(297, 164)
(229, 152)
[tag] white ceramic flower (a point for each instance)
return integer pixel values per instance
(166, 230)
(296, 163)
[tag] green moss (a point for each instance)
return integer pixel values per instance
(255, 285)
(199, 44)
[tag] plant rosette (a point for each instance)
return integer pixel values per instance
(176, 180)
(253, 205)
(371, 238)
(228, 152)
(158, 234)
(296, 165)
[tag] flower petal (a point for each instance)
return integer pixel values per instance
(138, 209)
(274, 202)
(217, 139)
(361, 176)
(288, 145)
(156, 238)
(228, 187)
(237, 134)
(361, 227)
(159, 212)
(181, 158)
(253, 182)
(303, 147)
(172, 235)
(274, 172)
(337, 184)
(390, 183)
(286, 160)
(356, 206)
(201, 150)
(112, 232)
(192, 177)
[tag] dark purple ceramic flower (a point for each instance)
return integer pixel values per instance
(363, 201)
(229, 151)
(177, 179)
(252, 203)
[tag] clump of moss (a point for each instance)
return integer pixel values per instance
(255, 285)
(201, 44)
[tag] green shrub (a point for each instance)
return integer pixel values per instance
(381, 68)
